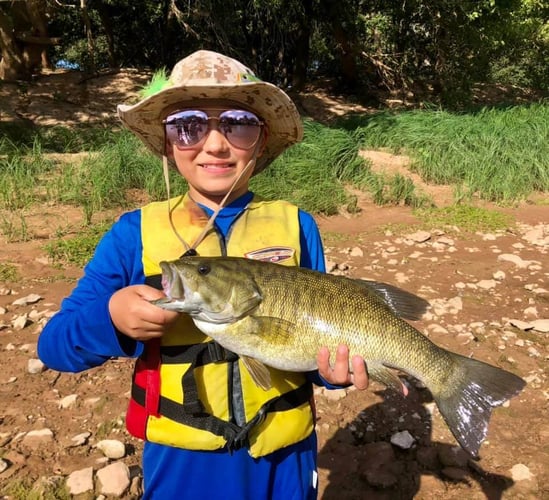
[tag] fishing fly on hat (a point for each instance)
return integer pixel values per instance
(202, 77)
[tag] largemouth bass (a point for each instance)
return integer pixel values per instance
(278, 316)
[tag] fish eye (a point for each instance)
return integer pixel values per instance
(204, 269)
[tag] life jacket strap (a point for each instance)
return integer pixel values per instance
(235, 436)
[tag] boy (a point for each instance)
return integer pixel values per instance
(210, 431)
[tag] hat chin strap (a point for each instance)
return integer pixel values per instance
(191, 249)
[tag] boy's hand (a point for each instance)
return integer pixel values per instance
(133, 314)
(340, 374)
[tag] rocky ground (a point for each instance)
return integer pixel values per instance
(489, 296)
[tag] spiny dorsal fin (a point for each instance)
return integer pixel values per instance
(404, 304)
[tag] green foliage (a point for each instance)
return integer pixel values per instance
(466, 217)
(441, 46)
(79, 249)
(8, 272)
(314, 173)
(78, 53)
(27, 489)
(497, 154)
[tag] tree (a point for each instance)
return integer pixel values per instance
(24, 39)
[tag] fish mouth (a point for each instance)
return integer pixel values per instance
(172, 284)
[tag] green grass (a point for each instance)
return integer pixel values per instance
(8, 272)
(314, 173)
(29, 490)
(79, 249)
(465, 217)
(500, 155)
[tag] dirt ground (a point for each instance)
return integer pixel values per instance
(489, 294)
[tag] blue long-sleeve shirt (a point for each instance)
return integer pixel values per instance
(81, 335)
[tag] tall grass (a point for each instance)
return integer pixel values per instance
(500, 155)
(314, 173)
(497, 154)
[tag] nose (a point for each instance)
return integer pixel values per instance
(215, 140)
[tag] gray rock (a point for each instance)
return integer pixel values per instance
(112, 448)
(403, 440)
(80, 481)
(29, 299)
(519, 472)
(114, 479)
(35, 366)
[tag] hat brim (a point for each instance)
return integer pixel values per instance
(273, 105)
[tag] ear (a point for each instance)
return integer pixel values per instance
(168, 149)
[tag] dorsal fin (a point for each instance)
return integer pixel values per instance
(404, 304)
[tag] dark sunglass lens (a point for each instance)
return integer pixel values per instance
(241, 128)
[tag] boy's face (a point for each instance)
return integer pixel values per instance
(212, 165)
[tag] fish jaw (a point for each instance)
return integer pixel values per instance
(185, 294)
(172, 285)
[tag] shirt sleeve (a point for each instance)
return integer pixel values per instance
(312, 250)
(81, 334)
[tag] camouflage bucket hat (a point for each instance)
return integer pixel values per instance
(209, 76)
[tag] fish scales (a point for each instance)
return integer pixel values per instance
(344, 315)
(281, 316)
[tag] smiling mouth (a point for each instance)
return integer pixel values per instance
(223, 166)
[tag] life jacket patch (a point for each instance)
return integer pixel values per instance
(271, 254)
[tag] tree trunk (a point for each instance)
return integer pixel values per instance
(36, 10)
(89, 35)
(12, 64)
(299, 77)
(102, 10)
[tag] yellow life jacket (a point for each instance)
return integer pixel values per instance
(187, 391)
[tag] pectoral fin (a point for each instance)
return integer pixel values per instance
(258, 371)
(276, 331)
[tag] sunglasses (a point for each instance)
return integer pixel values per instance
(188, 128)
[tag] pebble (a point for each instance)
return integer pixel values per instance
(403, 440)
(487, 284)
(520, 472)
(29, 299)
(112, 448)
(36, 437)
(514, 259)
(453, 456)
(356, 252)
(80, 481)
(20, 322)
(521, 325)
(540, 325)
(68, 401)
(35, 366)
(419, 236)
(80, 439)
(454, 473)
(114, 479)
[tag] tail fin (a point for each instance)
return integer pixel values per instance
(466, 405)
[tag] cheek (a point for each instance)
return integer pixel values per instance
(182, 158)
